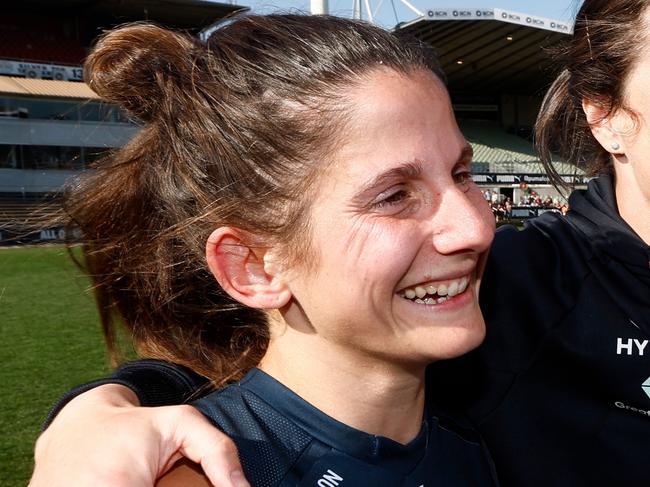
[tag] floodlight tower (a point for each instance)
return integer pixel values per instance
(362, 8)
(319, 7)
(370, 12)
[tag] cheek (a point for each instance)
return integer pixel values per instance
(643, 169)
(643, 176)
(370, 250)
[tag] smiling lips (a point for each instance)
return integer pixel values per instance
(436, 293)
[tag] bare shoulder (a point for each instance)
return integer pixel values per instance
(184, 473)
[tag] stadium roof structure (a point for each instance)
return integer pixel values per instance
(183, 14)
(491, 50)
(486, 54)
(49, 88)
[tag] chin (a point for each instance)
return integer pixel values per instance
(459, 341)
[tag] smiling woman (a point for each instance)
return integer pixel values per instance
(558, 388)
(394, 210)
(343, 140)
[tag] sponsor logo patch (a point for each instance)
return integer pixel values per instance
(646, 386)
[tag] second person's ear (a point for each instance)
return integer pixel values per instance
(608, 129)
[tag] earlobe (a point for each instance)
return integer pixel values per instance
(603, 126)
(242, 270)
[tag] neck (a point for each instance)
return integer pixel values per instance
(364, 393)
(633, 204)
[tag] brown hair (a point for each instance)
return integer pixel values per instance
(234, 132)
(597, 61)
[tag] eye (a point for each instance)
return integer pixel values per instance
(463, 179)
(391, 197)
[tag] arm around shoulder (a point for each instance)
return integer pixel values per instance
(102, 437)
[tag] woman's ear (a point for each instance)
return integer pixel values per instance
(244, 271)
(607, 128)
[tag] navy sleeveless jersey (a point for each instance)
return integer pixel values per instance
(285, 441)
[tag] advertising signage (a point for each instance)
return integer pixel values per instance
(518, 179)
(41, 71)
(533, 21)
(509, 16)
(460, 14)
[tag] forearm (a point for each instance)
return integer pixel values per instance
(152, 382)
(99, 437)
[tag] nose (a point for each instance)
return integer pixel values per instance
(463, 222)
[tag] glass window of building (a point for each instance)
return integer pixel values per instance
(44, 109)
(92, 154)
(9, 156)
(51, 157)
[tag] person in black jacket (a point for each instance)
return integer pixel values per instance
(303, 240)
(560, 389)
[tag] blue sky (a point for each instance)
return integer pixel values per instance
(386, 15)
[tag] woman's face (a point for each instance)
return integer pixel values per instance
(398, 229)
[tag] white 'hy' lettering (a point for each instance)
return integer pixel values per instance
(640, 345)
(620, 346)
(628, 346)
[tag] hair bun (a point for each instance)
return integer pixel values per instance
(137, 66)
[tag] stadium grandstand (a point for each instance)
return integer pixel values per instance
(499, 65)
(52, 125)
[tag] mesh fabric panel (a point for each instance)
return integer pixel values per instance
(268, 443)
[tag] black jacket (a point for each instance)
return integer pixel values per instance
(557, 387)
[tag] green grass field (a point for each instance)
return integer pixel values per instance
(50, 340)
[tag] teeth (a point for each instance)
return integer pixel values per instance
(430, 300)
(452, 290)
(431, 294)
(442, 290)
(463, 284)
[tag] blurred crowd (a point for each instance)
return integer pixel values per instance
(502, 205)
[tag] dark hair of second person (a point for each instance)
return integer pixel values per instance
(597, 60)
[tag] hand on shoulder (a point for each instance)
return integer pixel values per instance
(103, 438)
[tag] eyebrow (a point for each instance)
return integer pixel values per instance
(407, 170)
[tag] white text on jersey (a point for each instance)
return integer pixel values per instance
(628, 345)
(329, 479)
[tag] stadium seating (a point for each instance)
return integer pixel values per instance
(26, 215)
(26, 39)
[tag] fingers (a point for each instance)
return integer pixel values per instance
(87, 443)
(222, 464)
(201, 442)
(102, 439)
